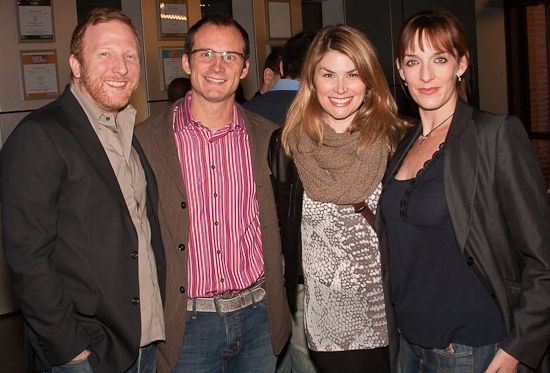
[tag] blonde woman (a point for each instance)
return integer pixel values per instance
(327, 168)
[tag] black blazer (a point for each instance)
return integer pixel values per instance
(500, 215)
(69, 238)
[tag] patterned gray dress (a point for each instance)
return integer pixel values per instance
(344, 301)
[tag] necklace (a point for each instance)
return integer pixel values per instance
(424, 137)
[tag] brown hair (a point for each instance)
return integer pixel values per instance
(376, 119)
(442, 30)
(97, 16)
(219, 20)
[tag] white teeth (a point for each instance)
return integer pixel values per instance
(215, 80)
(340, 101)
(116, 84)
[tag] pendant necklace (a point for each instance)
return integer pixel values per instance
(424, 137)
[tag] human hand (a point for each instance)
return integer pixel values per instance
(503, 363)
(82, 356)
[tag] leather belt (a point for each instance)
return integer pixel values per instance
(226, 304)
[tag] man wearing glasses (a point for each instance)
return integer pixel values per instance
(217, 215)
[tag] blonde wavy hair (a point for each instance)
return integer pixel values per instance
(376, 119)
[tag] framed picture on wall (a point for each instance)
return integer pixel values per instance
(278, 20)
(39, 74)
(34, 21)
(172, 19)
(171, 66)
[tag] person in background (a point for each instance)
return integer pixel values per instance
(274, 104)
(225, 308)
(79, 214)
(239, 95)
(178, 88)
(271, 72)
(327, 166)
(463, 222)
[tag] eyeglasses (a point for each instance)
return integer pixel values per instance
(207, 55)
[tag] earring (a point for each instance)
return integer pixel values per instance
(459, 78)
(404, 82)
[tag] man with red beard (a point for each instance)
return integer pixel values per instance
(79, 214)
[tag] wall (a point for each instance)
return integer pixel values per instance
(491, 56)
(243, 13)
(333, 12)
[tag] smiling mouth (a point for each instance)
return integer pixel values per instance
(215, 80)
(428, 91)
(115, 84)
(340, 101)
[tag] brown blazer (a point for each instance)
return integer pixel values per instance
(157, 139)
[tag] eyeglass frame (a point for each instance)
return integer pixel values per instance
(223, 54)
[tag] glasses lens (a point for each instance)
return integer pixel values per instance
(209, 55)
(204, 55)
(231, 57)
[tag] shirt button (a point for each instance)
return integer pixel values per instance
(215, 195)
(134, 255)
(221, 280)
(135, 300)
(470, 260)
(216, 223)
(213, 167)
(183, 205)
(182, 289)
(218, 251)
(181, 247)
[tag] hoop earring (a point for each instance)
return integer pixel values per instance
(459, 78)
(405, 83)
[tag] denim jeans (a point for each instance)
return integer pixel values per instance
(295, 357)
(238, 341)
(145, 363)
(455, 358)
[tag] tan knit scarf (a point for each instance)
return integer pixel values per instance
(335, 172)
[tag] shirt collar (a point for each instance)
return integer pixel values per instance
(286, 85)
(97, 117)
(184, 118)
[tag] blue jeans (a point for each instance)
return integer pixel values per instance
(238, 341)
(455, 358)
(295, 358)
(145, 363)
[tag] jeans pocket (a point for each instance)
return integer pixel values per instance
(262, 303)
(456, 358)
(403, 342)
(79, 366)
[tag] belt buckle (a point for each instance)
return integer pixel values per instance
(218, 300)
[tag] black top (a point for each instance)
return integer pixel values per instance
(272, 105)
(437, 299)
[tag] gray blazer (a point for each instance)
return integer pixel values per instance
(500, 215)
(156, 136)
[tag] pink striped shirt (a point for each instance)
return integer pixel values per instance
(225, 241)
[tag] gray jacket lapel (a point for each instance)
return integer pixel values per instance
(461, 170)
